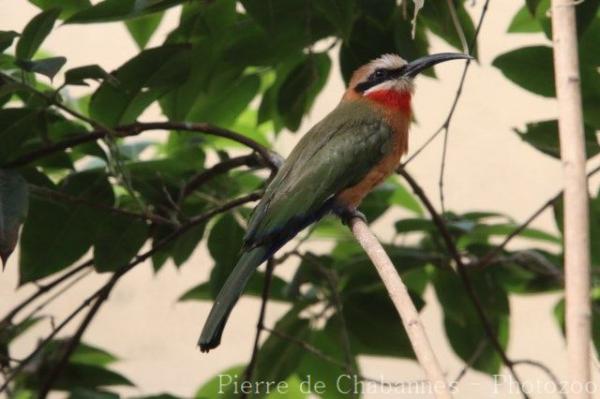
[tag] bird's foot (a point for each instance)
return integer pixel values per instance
(347, 214)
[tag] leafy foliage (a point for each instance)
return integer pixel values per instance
(81, 187)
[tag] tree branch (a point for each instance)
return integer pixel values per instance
(406, 309)
(260, 323)
(576, 215)
(271, 159)
(42, 289)
(463, 274)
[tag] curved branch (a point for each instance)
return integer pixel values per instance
(406, 309)
(271, 159)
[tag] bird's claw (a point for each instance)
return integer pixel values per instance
(346, 215)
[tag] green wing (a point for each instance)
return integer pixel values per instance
(335, 154)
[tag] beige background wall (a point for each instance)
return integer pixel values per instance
(488, 168)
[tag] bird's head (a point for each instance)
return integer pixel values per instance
(392, 74)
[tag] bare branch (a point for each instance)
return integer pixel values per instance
(406, 309)
(260, 323)
(576, 215)
(42, 289)
(270, 158)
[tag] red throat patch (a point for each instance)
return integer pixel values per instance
(392, 99)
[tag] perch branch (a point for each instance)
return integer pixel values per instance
(576, 217)
(406, 309)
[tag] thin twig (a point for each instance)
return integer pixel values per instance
(42, 289)
(61, 196)
(260, 323)
(463, 274)
(406, 309)
(250, 160)
(458, 94)
(547, 371)
(496, 251)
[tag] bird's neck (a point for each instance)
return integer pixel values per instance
(392, 100)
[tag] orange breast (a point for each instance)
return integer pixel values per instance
(396, 109)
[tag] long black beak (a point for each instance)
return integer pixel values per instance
(420, 64)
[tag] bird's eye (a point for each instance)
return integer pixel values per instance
(380, 73)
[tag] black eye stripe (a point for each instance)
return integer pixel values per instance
(378, 76)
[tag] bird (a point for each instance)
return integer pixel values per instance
(331, 169)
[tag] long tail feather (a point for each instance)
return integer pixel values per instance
(229, 295)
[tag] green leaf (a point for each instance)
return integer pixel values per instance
(543, 136)
(436, 16)
(142, 28)
(224, 244)
(13, 211)
(462, 324)
(68, 7)
(82, 393)
(222, 385)
(35, 32)
(299, 90)
(532, 5)
(6, 39)
(91, 355)
(340, 14)
(117, 241)
(48, 66)
(524, 22)
(79, 376)
(117, 10)
(143, 79)
(313, 369)
(203, 291)
(78, 76)
(529, 67)
(278, 358)
(57, 233)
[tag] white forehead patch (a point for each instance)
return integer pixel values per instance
(388, 61)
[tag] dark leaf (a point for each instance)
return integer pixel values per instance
(82, 393)
(221, 386)
(35, 32)
(203, 292)
(13, 211)
(463, 326)
(143, 79)
(529, 67)
(142, 28)
(524, 22)
(278, 358)
(118, 239)
(544, 137)
(68, 7)
(76, 375)
(340, 14)
(436, 16)
(532, 5)
(116, 10)
(224, 244)
(78, 76)
(299, 90)
(6, 39)
(47, 66)
(56, 232)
